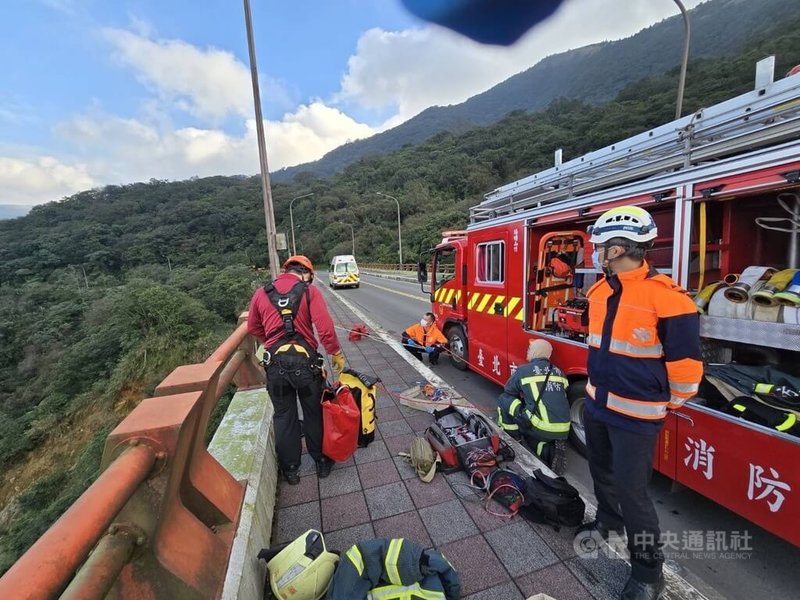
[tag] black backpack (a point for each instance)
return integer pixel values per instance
(551, 500)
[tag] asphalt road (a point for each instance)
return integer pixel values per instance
(772, 569)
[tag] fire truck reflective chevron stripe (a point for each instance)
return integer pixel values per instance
(447, 295)
(485, 303)
(509, 309)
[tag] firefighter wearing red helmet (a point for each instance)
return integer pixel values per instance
(644, 360)
(283, 315)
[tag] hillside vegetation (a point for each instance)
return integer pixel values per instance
(105, 292)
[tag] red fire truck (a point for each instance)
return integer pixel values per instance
(522, 267)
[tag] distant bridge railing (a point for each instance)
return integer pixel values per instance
(160, 519)
(393, 267)
(388, 266)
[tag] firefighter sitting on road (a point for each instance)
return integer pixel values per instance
(426, 337)
(534, 407)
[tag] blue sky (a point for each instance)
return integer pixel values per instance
(95, 92)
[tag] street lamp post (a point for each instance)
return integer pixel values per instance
(399, 235)
(291, 218)
(352, 236)
(682, 80)
(266, 190)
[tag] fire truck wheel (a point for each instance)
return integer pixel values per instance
(458, 347)
(576, 393)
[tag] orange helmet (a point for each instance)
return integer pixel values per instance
(299, 260)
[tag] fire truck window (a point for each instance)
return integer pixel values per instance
(490, 263)
(445, 267)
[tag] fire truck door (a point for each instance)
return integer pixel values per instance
(554, 277)
(486, 306)
(745, 467)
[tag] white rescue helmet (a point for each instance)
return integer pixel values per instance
(628, 222)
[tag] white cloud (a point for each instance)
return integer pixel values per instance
(119, 150)
(208, 83)
(414, 69)
(35, 180)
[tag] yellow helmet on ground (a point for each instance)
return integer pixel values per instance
(302, 570)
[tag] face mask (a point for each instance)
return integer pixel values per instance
(596, 260)
(423, 322)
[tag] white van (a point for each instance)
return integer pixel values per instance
(343, 272)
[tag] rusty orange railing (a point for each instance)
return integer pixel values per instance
(160, 519)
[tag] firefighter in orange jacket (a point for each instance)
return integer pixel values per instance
(644, 360)
(425, 337)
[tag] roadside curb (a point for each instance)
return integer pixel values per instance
(677, 587)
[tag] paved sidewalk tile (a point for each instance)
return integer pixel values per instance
(342, 539)
(404, 468)
(377, 473)
(602, 576)
(399, 443)
(485, 521)
(388, 500)
(420, 422)
(427, 494)
(375, 451)
(406, 525)
(390, 413)
(340, 481)
(520, 549)
(306, 491)
(504, 591)
(344, 511)
(291, 521)
(476, 564)
(393, 428)
(556, 581)
(447, 522)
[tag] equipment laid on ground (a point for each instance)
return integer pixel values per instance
(551, 500)
(299, 570)
(341, 423)
(365, 392)
(422, 457)
(456, 432)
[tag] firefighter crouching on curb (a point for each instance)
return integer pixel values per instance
(283, 316)
(644, 360)
(534, 406)
(426, 337)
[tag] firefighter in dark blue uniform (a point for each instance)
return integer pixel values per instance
(534, 406)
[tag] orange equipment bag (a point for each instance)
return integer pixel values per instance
(341, 422)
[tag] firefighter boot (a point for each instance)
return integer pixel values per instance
(638, 590)
(598, 528)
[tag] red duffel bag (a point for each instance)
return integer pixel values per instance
(341, 421)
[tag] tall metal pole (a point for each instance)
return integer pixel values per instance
(399, 234)
(291, 218)
(682, 80)
(266, 189)
(352, 236)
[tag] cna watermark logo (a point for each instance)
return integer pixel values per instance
(694, 544)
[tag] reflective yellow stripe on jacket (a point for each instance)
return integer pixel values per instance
(543, 421)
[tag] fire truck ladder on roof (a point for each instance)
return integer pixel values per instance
(763, 117)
